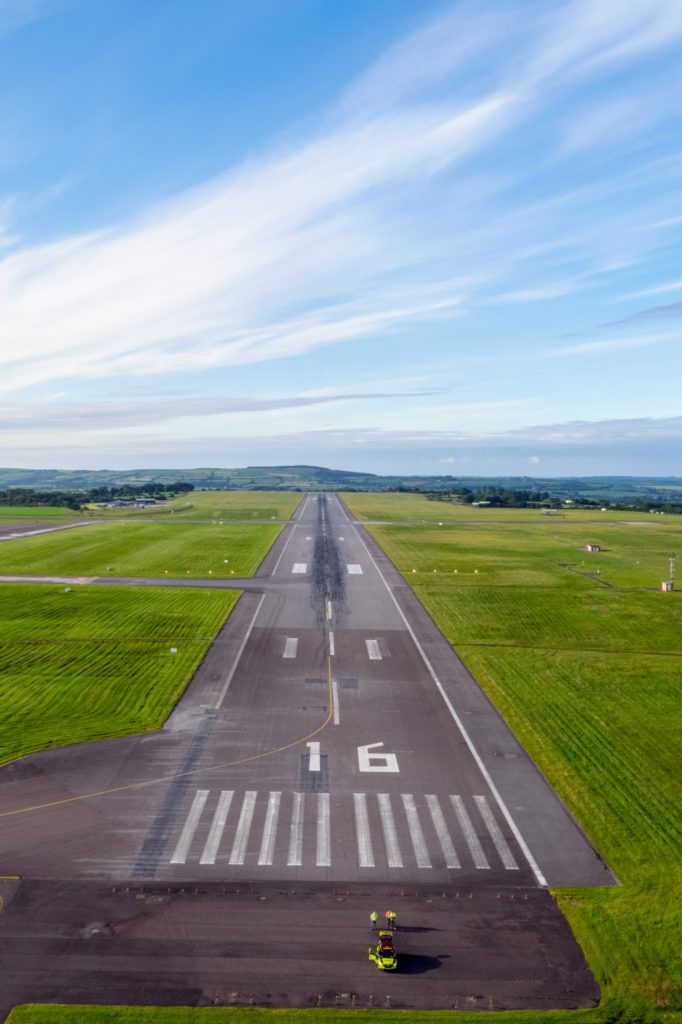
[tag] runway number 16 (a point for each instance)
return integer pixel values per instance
(377, 762)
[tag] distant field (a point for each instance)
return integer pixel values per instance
(539, 551)
(142, 549)
(588, 676)
(415, 508)
(92, 663)
(217, 505)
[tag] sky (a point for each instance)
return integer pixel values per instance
(434, 238)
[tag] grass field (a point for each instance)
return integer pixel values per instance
(215, 505)
(94, 663)
(541, 552)
(416, 508)
(186, 1015)
(10, 513)
(142, 549)
(588, 676)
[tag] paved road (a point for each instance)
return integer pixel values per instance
(16, 531)
(331, 741)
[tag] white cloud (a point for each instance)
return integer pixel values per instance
(622, 344)
(204, 280)
(660, 289)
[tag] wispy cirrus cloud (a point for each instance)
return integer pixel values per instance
(102, 415)
(659, 289)
(601, 346)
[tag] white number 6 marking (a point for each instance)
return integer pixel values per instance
(376, 762)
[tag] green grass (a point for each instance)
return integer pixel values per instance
(93, 663)
(213, 1015)
(142, 549)
(417, 509)
(215, 505)
(11, 512)
(589, 679)
(541, 552)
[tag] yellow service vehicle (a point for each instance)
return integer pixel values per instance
(384, 955)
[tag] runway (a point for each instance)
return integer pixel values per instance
(331, 741)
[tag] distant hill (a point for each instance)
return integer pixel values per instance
(304, 478)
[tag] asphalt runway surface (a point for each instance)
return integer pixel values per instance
(330, 753)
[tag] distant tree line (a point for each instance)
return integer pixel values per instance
(75, 500)
(503, 497)
(497, 497)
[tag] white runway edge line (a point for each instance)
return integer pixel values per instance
(217, 827)
(187, 834)
(219, 702)
(291, 533)
(534, 866)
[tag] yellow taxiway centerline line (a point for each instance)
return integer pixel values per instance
(196, 771)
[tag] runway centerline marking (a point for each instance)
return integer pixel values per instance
(187, 834)
(332, 649)
(534, 866)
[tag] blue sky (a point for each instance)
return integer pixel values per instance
(398, 237)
